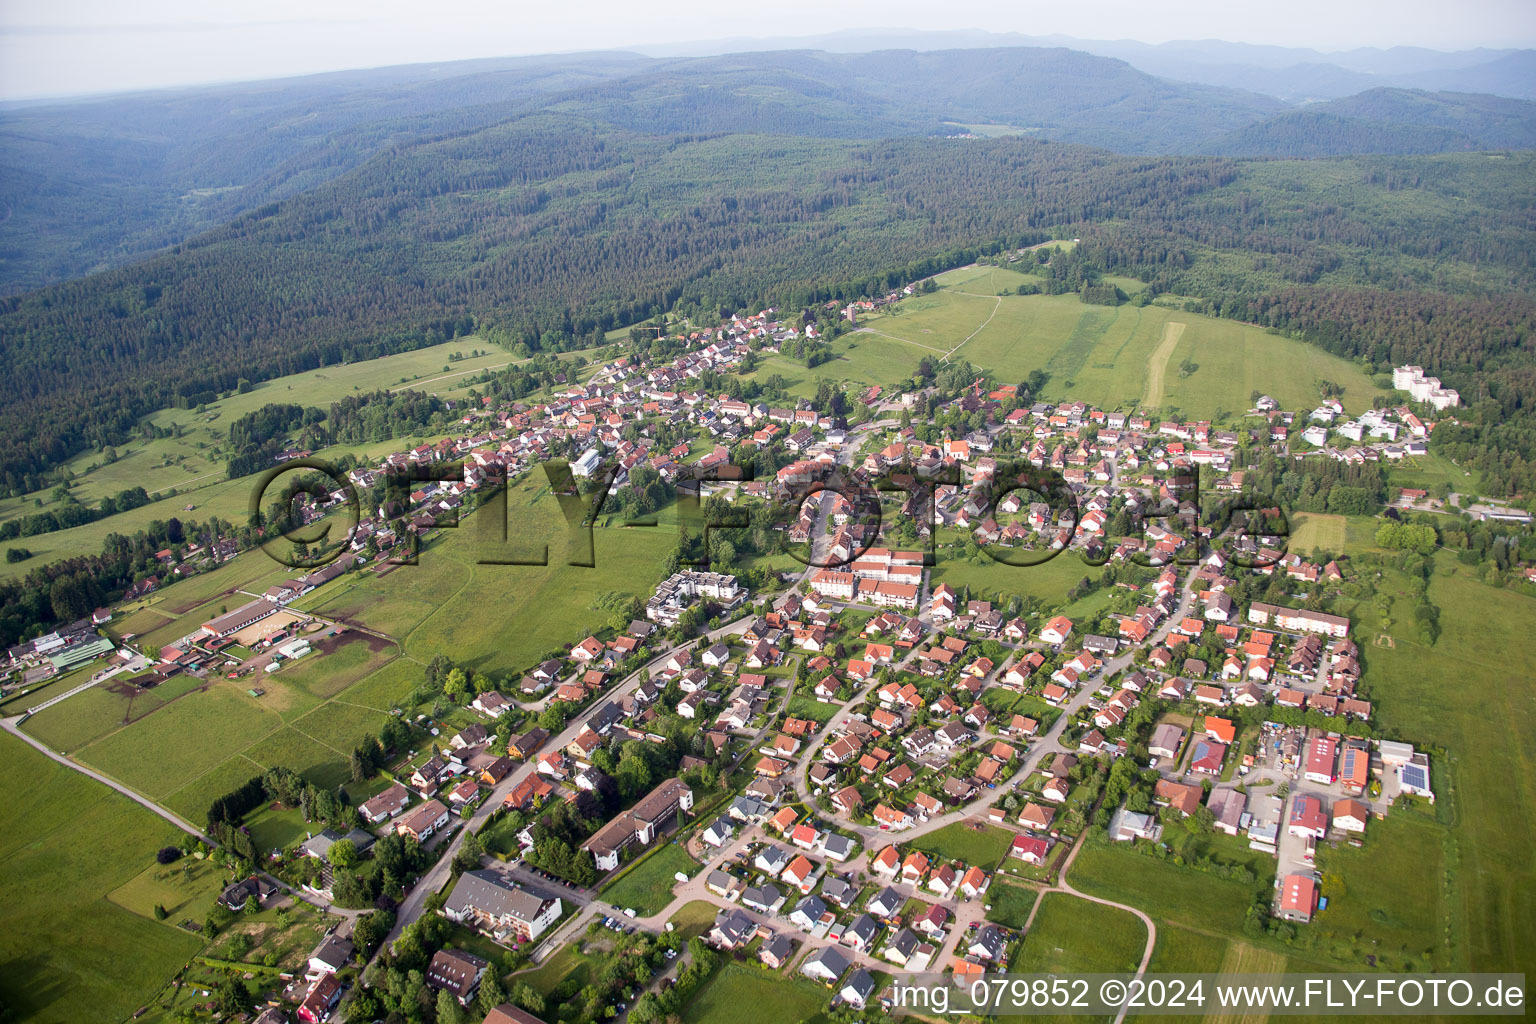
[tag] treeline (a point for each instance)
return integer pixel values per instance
(73, 513)
(71, 588)
(353, 269)
(285, 786)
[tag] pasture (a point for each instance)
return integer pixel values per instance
(493, 617)
(1113, 356)
(63, 850)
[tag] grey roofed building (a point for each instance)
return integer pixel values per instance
(776, 949)
(887, 902)
(858, 988)
(861, 934)
(808, 912)
(720, 831)
(487, 895)
(826, 964)
(772, 859)
(764, 898)
(839, 891)
(746, 808)
(838, 847)
(731, 929)
(333, 953)
(319, 845)
(903, 944)
(989, 942)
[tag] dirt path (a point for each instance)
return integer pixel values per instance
(904, 341)
(995, 307)
(1157, 364)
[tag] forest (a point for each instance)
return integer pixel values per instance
(546, 231)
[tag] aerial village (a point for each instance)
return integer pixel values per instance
(845, 721)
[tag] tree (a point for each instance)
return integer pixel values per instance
(448, 1009)
(234, 998)
(251, 906)
(343, 854)
(526, 996)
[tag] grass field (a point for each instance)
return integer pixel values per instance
(992, 580)
(978, 847)
(772, 999)
(648, 886)
(693, 918)
(158, 754)
(1075, 936)
(186, 889)
(1111, 356)
(1010, 903)
(1312, 531)
(70, 953)
(500, 618)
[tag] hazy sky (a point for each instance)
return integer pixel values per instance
(62, 47)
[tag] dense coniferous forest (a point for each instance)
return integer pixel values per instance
(542, 233)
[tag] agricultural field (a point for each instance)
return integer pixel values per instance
(647, 888)
(1077, 936)
(115, 959)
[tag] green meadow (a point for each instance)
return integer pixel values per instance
(70, 855)
(1115, 357)
(1072, 935)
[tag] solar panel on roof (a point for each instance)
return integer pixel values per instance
(1414, 776)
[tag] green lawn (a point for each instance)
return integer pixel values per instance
(982, 847)
(1076, 936)
(647, 887)
(737, 993)
(70, 953)
(811, 709)
(693, 918)
(1311, 531)
(1010, 904)
(566, 963)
